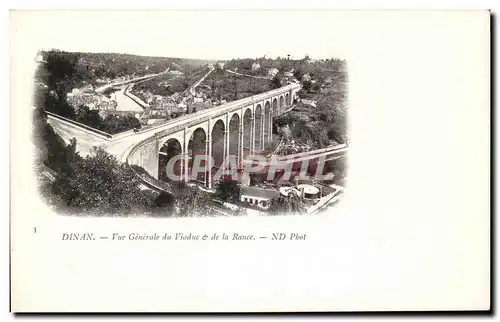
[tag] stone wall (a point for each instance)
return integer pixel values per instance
(146, 156)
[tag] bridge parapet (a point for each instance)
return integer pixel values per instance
(203, 116)
(79, 126)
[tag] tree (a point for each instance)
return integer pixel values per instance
(316, 87)
(276, 81)
(185, 84)
(291, 204)
(298, 73)
(115, 124)
(191, 200)
(337, 167)
(278, 205)
(165, 203)
(235, 86)
(48, 100)
(89, 117)
(306, 85)
(228, 190)
(302, 93)
(60, 68)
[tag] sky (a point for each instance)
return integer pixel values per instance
(206, 34)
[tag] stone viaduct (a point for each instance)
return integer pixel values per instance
(235, 128)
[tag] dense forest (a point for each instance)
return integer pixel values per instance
(90, 67)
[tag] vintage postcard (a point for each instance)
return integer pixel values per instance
(249, 161)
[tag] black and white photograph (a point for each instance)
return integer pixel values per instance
(128, 135)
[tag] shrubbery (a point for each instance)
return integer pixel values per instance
(282, 205)
(112, 124)
(94, 184)
(229, 191)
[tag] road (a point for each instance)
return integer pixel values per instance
(304, 156)
(125, 82)
(192, 89)
(246, 75)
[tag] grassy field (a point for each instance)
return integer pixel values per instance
(221, 85)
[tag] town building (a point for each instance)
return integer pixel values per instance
(39, 58)
(87, 88)
(306, 78)
(91, 100)
(258, 197)
(272, 72)
(309, 102)
(255, 66)
(182, 107)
